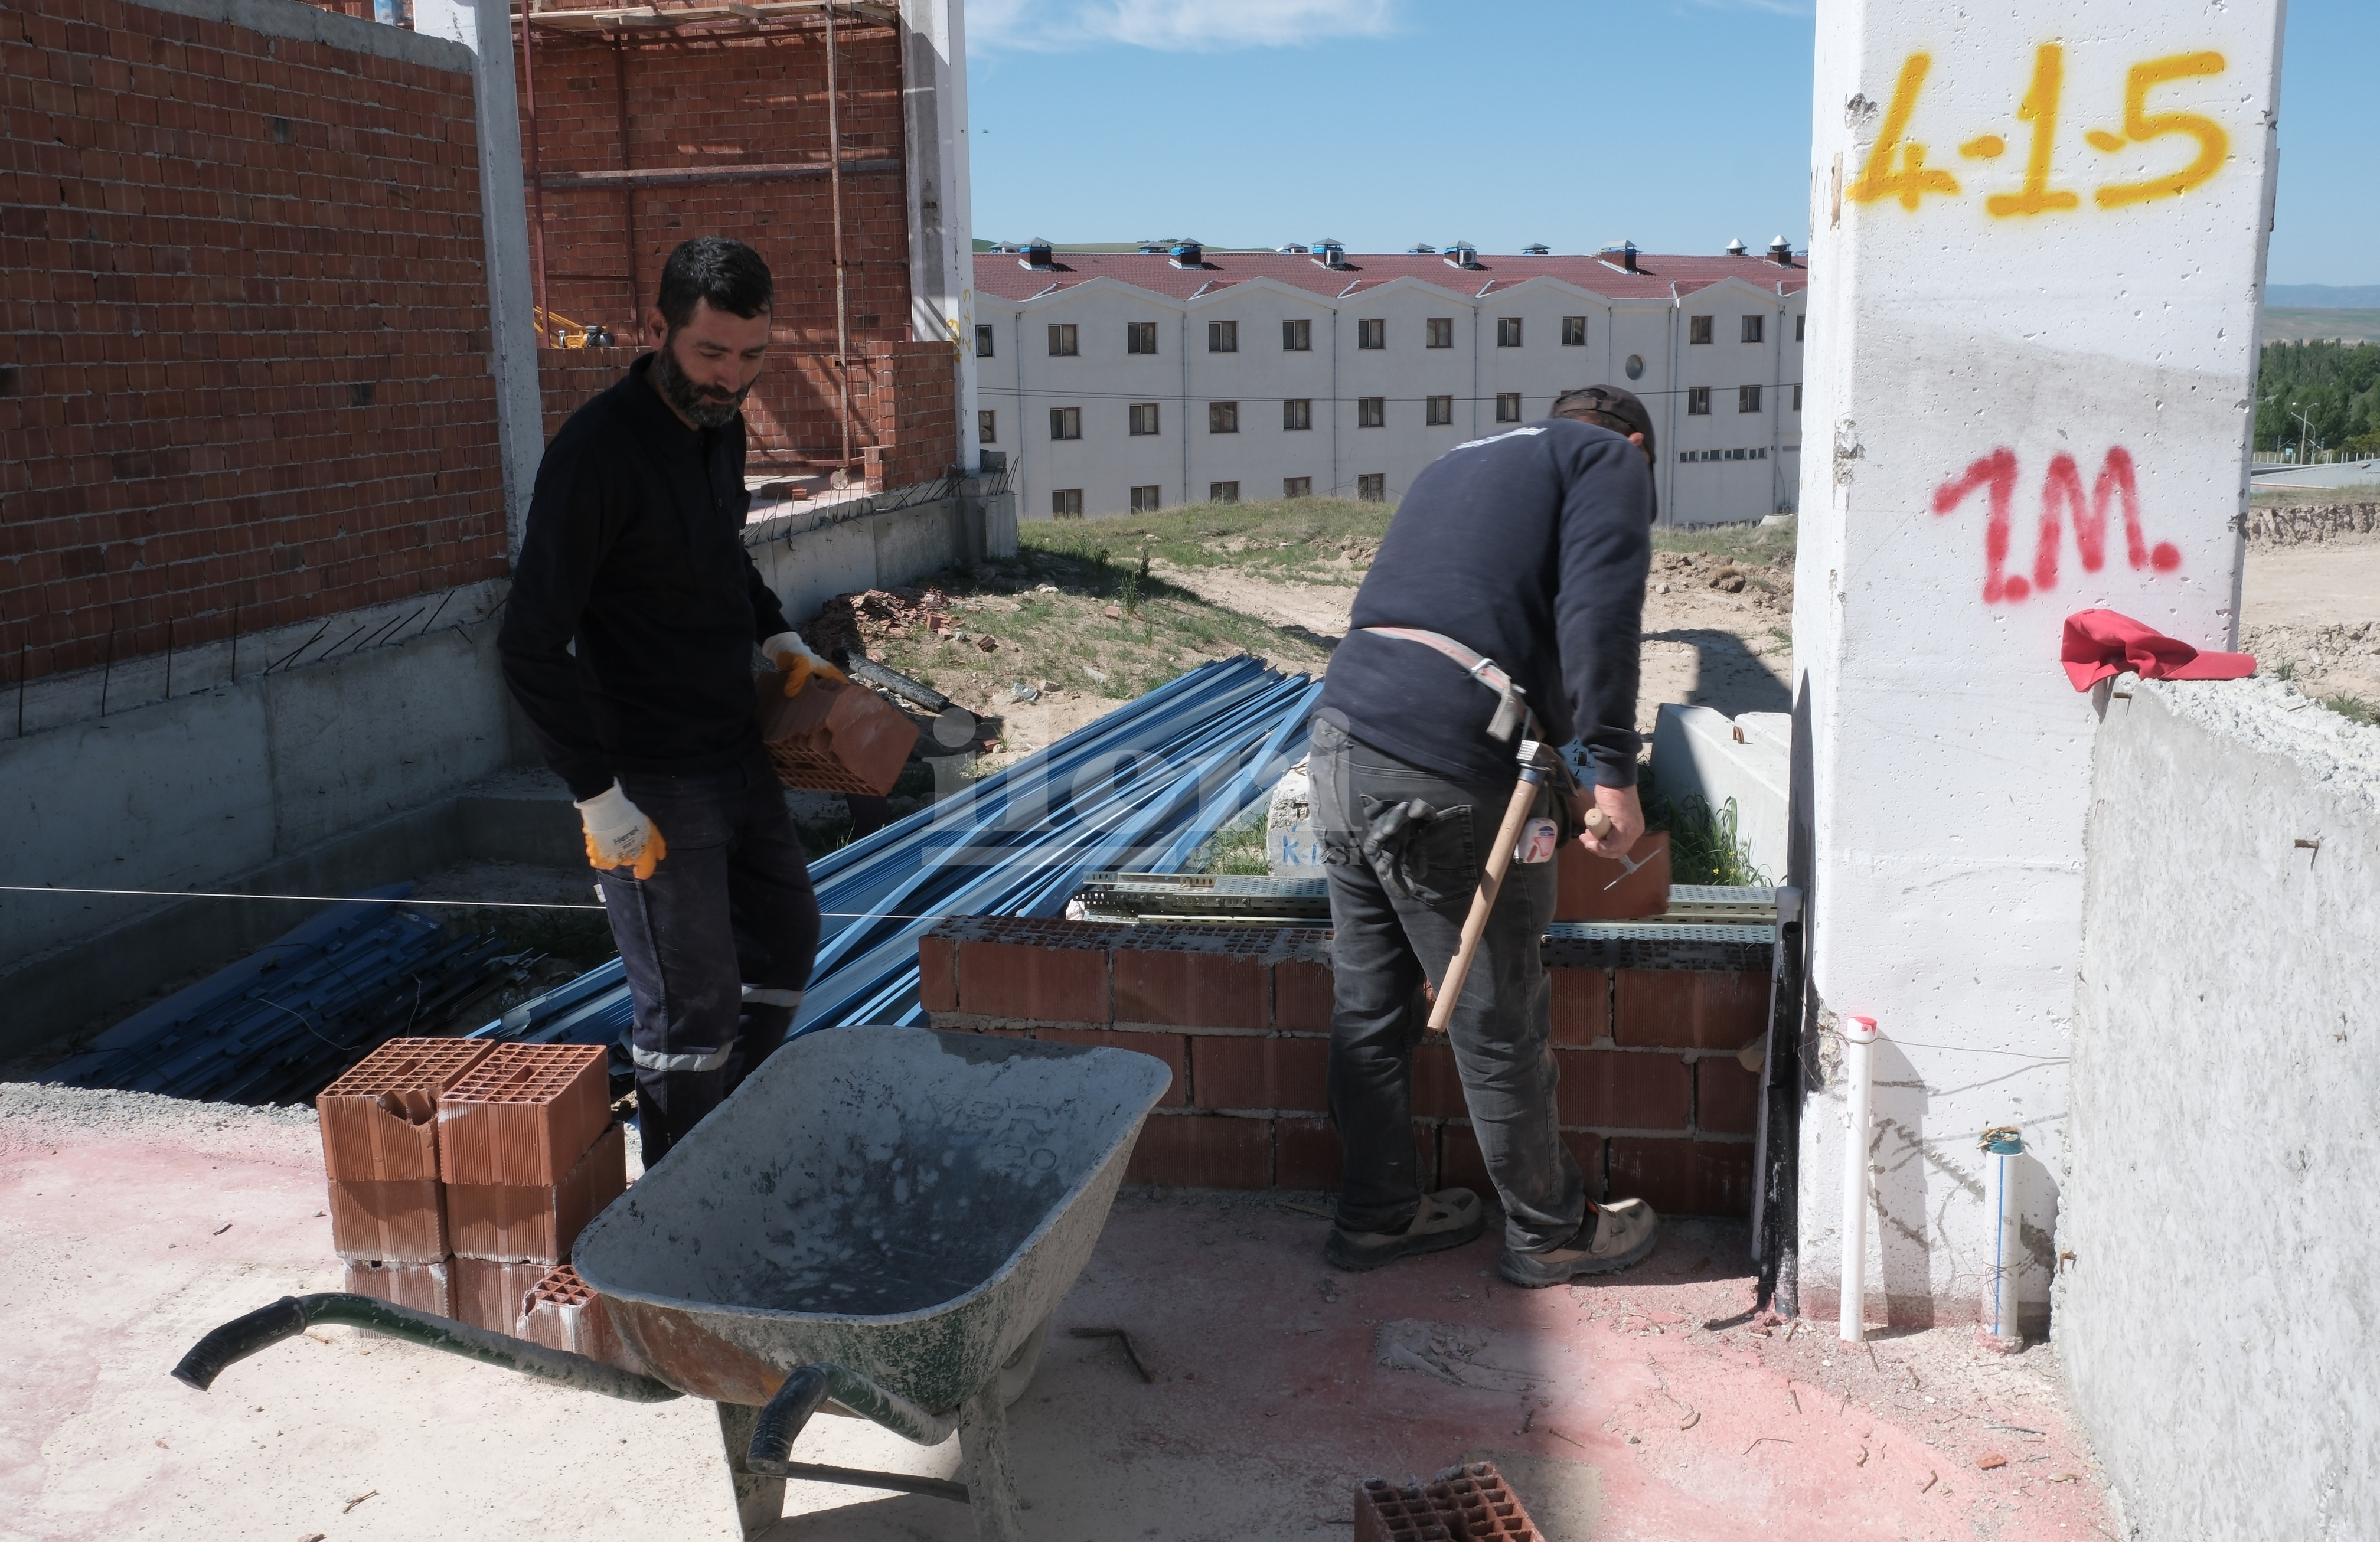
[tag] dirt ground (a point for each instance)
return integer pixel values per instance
(2314, 610)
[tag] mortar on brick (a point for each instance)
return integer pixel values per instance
(424, 1287)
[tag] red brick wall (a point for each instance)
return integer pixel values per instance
(727, 100)
(243, 333)
(1651, 1098)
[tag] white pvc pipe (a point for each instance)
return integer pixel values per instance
(1859, 1076)
(2004, 1145)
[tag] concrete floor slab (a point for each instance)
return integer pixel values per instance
(1648, 1406)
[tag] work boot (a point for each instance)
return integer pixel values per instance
(1448, 1218)
(1613, 1237)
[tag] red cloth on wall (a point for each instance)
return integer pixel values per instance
(2101, 643)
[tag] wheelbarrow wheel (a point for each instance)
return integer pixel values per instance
(1016, 1371)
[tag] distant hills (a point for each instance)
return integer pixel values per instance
(2323, 296)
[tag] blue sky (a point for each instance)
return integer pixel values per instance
(1677, 124)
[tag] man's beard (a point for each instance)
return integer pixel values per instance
(709, 409)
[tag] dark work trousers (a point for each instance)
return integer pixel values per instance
(1385, 943)
(718, 943)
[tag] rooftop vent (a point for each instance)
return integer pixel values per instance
(1422, 248)
(1621, 255)
(1189, 254)
(1735, 248)
(1462, 254)
(1149, 248)
(1036, 253)
(1297, 247)
(1537, 249)
(1780, 251)
(1330, 253)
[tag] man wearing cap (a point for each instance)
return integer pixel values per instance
(1520, 557)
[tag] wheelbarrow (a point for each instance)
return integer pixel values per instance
(881, 1217)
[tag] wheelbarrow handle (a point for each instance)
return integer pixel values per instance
(804, 1391)
(780, 1422)
(291, 1315)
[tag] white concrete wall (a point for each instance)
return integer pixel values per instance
(1747, 759)
(2219, 1316)
(1947, 756)
(1726, 466)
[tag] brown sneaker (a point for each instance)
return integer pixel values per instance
(1448, 1218)
(1614, 1236)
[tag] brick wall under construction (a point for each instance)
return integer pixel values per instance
(747, 102)
(243, 333)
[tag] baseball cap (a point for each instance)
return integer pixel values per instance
(1610, 407)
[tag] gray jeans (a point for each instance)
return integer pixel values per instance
(1398, 910)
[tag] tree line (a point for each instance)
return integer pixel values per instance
(2337, 388)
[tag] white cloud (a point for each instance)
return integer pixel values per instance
(1172, 25)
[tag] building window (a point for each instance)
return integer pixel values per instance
(1066, 502)
(1222, 417)
(1222, 336)
(1699, 401)
(1144, 418)
(1747, 398)
(1222, 492)
(1799, 322)
(1508, 406)
(983, 340)
(1573, 332)
(1066, 422)
(1062, 340)
(987, 428)
(1297, 487)
(1143, 499)
(1797, 395)
(1372, 488)
(1372, 332)
(1438, 332)
(1752, 329)
(1140, 337)
(1371, 412)
(1698, 329)
(1508, 332)
(1441, 411)
(1296, 413)
(1298, 336)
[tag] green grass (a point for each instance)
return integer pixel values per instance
(2360, 492)
(1767, 545)
(1325, 540)
(1704, 846)
(1237, 849)
(2354, 709)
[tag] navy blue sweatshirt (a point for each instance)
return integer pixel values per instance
(1531, 546)
(635, 552)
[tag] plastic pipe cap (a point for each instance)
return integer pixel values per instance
(1859, 1030)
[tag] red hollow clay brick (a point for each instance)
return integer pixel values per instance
(379, 1120)
(1286, 1074)
(1191, 988)
(562, 1312)
(1306, 1154)
(1581, 1004)
(1688, 1009)
(1726, 1096)
(402, 1221)
(1479, 1505)
(1034, 981)
(1203, 1150)
(834, 736)
(424, 1287)
(525, 1114)
(1170, 1048)
(492, 1296)
(1599, 888)
(1393, 1513)
(1301, 996)
(1683, 1177)
(938, 974)
(1623, 1089)
(531, 1223)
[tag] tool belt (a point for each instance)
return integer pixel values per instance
(1512, 710)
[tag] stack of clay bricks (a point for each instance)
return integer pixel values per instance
(1653, 1101)
(461, 1172)
(1470, 1502)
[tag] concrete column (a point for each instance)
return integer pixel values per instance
(2038, 239)
(941, 228)
(485, 28)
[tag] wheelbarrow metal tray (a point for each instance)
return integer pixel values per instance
(906, 1203)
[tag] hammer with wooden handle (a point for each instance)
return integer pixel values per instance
(1536, 761)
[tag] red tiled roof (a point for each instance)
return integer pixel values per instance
(1003, 273)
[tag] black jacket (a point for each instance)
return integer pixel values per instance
(635, 552)
(1530, 546)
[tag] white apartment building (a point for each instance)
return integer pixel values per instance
(1114, 382)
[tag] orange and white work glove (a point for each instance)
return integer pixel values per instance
(618, 834)
(790, 653)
